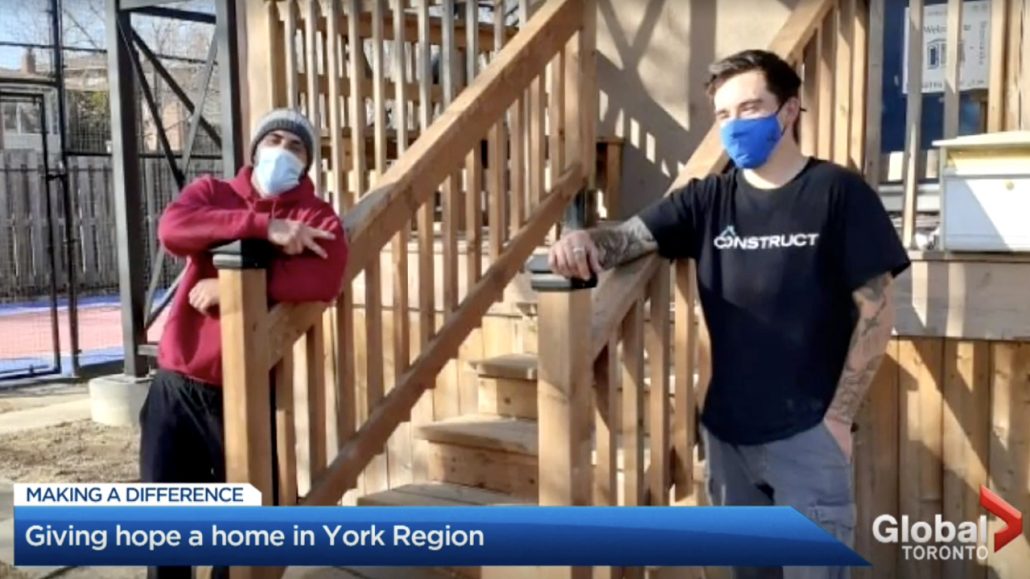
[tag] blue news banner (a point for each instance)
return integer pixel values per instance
(140, 524)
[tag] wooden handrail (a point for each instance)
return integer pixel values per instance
(371, 437)
(340, 423)
(413, 178)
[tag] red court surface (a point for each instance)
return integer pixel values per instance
(26, 335)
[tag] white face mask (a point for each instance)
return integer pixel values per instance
(277, 170)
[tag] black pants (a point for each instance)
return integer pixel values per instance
(182, 440)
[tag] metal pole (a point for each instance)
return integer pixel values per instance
(67, 198)
(126, 177)
(229, 80)
(51, 243)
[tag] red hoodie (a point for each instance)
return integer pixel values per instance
(210, 212)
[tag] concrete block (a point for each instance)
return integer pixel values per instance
(116, 400)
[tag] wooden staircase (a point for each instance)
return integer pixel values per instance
(487, 458)
(613, 386)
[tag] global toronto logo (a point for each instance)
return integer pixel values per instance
(944, 540)
(729, 239)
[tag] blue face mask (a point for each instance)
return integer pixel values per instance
(277, 170)
(749, 142)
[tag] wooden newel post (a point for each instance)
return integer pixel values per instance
(247, 398)
(565, 372)
(563, 391)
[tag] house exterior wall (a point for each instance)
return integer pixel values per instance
(652, 64)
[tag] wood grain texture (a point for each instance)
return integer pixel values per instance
(633, 405)
(248, 412)
(876, 461)
(1010, 450)
(563, 395)
(966, 439)
(920, 487)
(657, 334)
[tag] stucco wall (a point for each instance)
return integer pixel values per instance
(653, 57)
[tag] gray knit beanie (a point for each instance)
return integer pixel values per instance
(289, 120)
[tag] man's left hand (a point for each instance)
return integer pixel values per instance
(841, 431)
(204, 295)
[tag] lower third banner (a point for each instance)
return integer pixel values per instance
(423, 536)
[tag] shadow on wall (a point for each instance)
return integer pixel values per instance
(653, 58)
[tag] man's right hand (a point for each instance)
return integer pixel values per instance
(294, 237)
(575, 255)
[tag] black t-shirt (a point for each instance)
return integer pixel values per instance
(776, 271)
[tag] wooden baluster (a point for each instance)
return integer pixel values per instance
(563, 399)
(314, 91)
(684, 356)
(632, 404)
(517, 196)
(346, 393)
(874, 104)
(356, 64)
(809, 122)
(312, 372)
(952, 61)
(842, 92)
(913, 120)
(427, 213)
(996, 84)
(376, 475)
(537, 141)
(607, 375)
(401, 319)
(589, 96)
(632, 412)
(452, 185)
(495, 185)
(859, 83)
(269, 65)
(399, 448)
(474, 161)
(292, 64)
(657, 337)
(423, 412)
(498, 160)
(285, 431)
(378, 87)
(334, 70)
(246, 401)
(556, 121)
(825, 40)
(606, 431)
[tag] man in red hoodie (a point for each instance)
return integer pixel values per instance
(273, 199)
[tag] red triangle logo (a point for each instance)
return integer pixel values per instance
(1012, 518)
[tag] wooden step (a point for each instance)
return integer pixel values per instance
(484, 432)
(438, 494)
(513, 366)
(487, 452)
(507, 385)
(507, 397)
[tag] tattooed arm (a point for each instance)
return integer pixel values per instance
(868, 344)
(582, 251)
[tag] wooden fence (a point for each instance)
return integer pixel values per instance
(25, 223)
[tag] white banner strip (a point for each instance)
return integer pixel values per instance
(135, 494)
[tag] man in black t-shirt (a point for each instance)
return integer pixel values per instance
(795, 257)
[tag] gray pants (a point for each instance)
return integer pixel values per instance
(807, 471)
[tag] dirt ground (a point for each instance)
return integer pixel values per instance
(80, 451)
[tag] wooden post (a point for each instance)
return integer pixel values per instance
(563, 396)
(246, 400)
